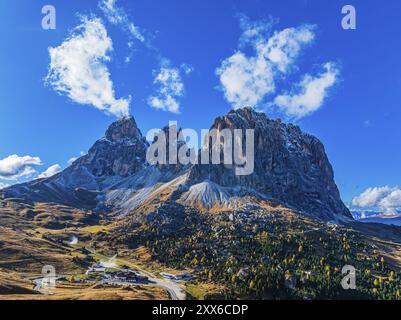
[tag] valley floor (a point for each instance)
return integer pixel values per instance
(269, 253)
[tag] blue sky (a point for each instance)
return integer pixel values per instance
(358, 119)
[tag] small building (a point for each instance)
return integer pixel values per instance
(96, 268)
(184, 276)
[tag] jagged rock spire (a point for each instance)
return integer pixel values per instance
(122, 152)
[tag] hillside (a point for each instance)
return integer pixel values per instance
(114, 177)
(280, 232)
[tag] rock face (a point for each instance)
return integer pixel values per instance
(290, 166)
(176, 145)
(122, 152)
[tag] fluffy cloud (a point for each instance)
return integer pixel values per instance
(170, 88)
(285, 46)
(247, 80)
(77, 68)
(254, 32)
(371, 197)
(168, 80)
(392, 200)
(385, 199)
(51, 171)
(3, 185)
(73, 159)
(119, 17)
(14, 166)
(312, 91)
(187, 68)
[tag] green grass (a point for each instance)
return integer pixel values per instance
(195, 291)
(95, 229)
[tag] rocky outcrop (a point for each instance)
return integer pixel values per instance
(289, 165)
(119, 154)
(122, 152)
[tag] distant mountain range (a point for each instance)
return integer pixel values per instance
(384, 219)
(114, 178)
(376, 216)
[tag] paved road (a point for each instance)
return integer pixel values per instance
(175, 291)
(44, 285)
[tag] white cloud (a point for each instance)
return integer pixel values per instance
(371, 197)
(385, 199)
(119, 17)
(187, 68)
(73, 159)
(4, 185)
(51, 171)
(170, 88)
(254, 31)
(392, 201)
(14, 166)
(312, 91)
(247, 80)
(285, 46)
(77, 68)
(168, 80)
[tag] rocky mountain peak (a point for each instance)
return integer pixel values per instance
(123, 129)
(246, 114)
(121, 152)
(290, 166)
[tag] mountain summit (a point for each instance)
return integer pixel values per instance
(290, 167)
(122, 152)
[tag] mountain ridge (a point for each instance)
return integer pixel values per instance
(290, 167)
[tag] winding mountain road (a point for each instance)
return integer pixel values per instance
(175, 291)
